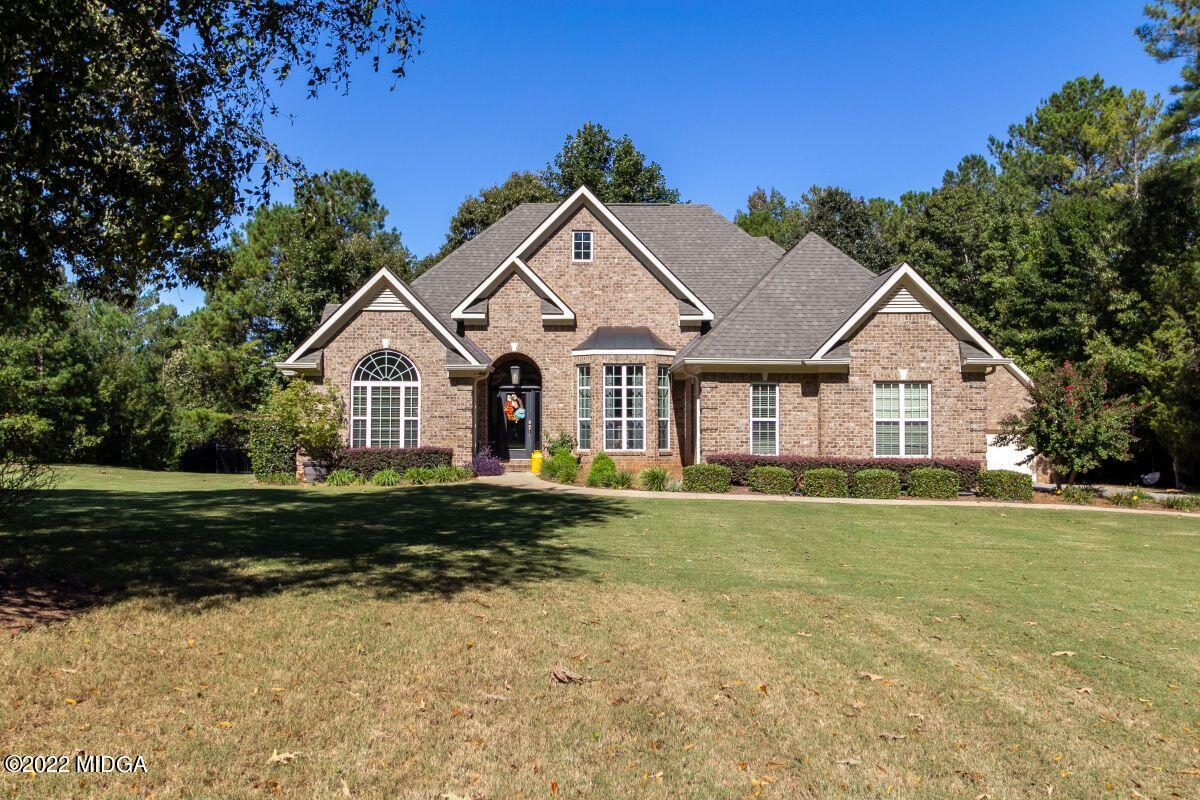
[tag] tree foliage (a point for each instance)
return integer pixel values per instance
(1073, 422)
(1172, 31)
(130, 129)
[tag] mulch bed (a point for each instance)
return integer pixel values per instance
(26, 602)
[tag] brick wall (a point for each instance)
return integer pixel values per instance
(445, 401)
(612, 289)
(725, 411)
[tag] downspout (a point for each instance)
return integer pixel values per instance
(696, 458)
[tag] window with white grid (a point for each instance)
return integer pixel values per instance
(581, 246)
(664, 408)
(902, 419)
(385, 402)
(583, 406)
(764, 419)
(624, 407)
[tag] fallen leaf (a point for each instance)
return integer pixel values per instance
(1057, 653)
(1084, 690)
(892, 737)
(281, 758)
(564, 675)
(224, 724)
(849, 762)
(762, 687)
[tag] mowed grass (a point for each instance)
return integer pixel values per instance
(399, 643)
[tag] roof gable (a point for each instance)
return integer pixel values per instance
(584, 198)
(384, 283)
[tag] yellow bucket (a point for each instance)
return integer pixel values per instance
(535, 462)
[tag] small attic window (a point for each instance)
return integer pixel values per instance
(581, 246)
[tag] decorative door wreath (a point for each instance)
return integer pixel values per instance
(514, 411)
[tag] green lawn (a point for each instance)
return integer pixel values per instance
(400, 643)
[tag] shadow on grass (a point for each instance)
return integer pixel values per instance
(219, 545)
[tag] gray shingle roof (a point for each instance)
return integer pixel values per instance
(713, 257)
(796, 306)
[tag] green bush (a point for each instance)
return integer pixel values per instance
(653, 479)
(1005, 484)
(1178, 502)
(706, 478)
(298, 417)
(603, 471)
(770, 480)
(561, 468)
(448, 474)
(386, 477)
(674, 485)
(826, 482)
(880, 484)
(558, 443)
(932, 482)
(341, 477)
(1079, 495)
(623, 479)
(418, 476)
(1127, 499)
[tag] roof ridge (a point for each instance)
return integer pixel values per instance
(748, 296)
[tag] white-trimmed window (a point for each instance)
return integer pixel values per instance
(624, 407)
(583, 406)
(581, 246)
(764, 419)
(664, 408)
(901, 419)
(385, 402)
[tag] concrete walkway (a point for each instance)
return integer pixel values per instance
(529, 481)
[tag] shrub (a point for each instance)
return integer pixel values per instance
(880, 484)
(623, 479)
(560, 442)
(1178, 502)
(278, 478)
(299, 416)
(386, 477)
(341, 477)
(449, 475)
(486, 462)
(1078, 495)
(933, 482)
(653, 479)
(418, 476)
(1005, 484)
(771, 480)
(826, 482)
(1127, 499)
(603, 471)
(740, 465)
(366, 461)
(673, 485)
(562, 467)
(706, 478)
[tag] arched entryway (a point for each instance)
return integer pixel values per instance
(514, 407)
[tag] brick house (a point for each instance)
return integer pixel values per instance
(659, 334)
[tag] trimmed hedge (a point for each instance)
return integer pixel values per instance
(706, 478)
(1005, 484)
(826, 482)
(562, 467)
(603, 471)
(933, 482)
(740, 465)
(366, 461)
(771, 480)
(879, 484)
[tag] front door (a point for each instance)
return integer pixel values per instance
(517, 414)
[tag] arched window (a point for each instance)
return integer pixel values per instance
(385, 402)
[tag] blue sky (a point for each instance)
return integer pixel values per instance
(876, 97)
